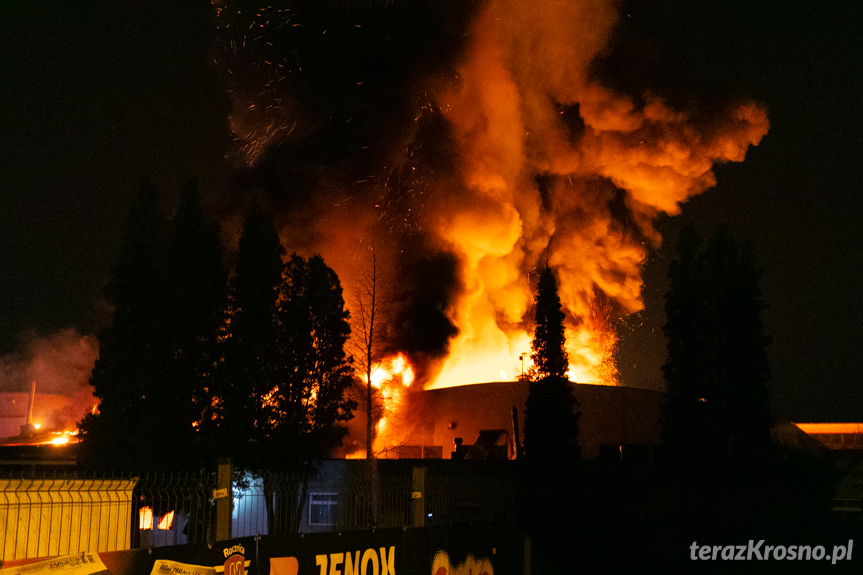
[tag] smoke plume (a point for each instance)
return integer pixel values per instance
(469, 143)
(60, 364)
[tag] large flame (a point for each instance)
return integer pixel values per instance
(536, 191)
(549, 167)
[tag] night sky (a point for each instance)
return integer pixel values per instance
(95, 99)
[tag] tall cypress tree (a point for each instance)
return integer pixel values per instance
(251, 352)
(548, 350)
(551, 419)
(195, 290)
(717, 368)
(156, 361)
(124, 433)
(550, 430)
(688, 347)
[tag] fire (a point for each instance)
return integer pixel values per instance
(401, 368)
(145, 518)
(549, 167)
(394, 369)
(61, 439)
(534, 191)
(391, 379)
(167, 521)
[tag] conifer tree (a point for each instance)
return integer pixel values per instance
(548, 350)
(124, 433)
(551, 419)
(250, 370)
(717, 368)
(156, 361)
(195, 300)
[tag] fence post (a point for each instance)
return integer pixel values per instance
(418, 496)
(224, 496)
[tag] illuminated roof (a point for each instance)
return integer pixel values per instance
(829, 428)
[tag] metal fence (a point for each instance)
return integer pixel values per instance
(173, 509)
(359, 499)
(47, 516)
(469, 496)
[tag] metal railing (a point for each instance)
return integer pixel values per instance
(48, 516)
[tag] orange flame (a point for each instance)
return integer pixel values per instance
(533, 189)
(391, 378)
(522, 67)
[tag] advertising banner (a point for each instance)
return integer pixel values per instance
(461, 549)
(81, 564)
(165, 567)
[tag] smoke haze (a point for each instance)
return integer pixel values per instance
(60, 364)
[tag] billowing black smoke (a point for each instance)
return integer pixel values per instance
(336, 123)
(430, 281)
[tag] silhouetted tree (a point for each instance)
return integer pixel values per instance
(551, 422)
(125, 433)
(369, 326)
(282, 392)
(195, 292)
(550, 431)
(252, 361)
(548, 350)
(717, 368)
(315, 328)
(156, 362)
(551, 419)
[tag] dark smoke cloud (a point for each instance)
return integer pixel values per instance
(697, 56)
(336, 123)
(334, 85)
(429, 281)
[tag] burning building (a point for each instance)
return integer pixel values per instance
(44, 389)
(465, 143)
(614, 421)
(37, 419)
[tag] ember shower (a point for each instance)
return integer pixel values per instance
(468, 143)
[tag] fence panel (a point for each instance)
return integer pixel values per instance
(49, 516)
(174, 510)
(460, 497)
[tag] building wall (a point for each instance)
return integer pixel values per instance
(610, 416)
